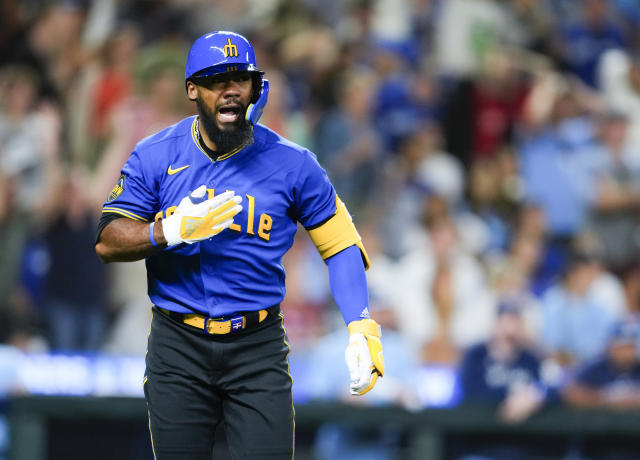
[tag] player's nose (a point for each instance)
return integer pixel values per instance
(231, 89)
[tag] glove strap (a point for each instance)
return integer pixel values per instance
(368, 327)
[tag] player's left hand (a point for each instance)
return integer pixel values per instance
(364, 355)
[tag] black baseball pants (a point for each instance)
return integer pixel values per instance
(195, 381)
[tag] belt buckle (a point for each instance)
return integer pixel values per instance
(210, 321)
(236, 323)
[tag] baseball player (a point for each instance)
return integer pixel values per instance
(212, 203)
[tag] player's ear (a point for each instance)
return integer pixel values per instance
(192, 91)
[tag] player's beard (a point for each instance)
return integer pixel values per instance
(239, 133)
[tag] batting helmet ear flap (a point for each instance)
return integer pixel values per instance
(256, 78)
(254, 111)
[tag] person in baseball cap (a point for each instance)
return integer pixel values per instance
(613, 379)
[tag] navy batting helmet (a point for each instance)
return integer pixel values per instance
(222, 51)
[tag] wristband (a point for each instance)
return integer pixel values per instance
(153, 241)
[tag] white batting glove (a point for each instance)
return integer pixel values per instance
(364, 355)
(197, 219)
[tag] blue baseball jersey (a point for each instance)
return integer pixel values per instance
(240, 269)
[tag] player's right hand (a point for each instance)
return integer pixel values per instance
(197, 219)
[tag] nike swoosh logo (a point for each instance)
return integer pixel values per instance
(171, 172)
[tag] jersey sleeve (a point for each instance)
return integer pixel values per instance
(133, 195)
(323, 214)
(314, 195)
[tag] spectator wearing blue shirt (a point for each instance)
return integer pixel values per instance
(575, 321)
(613, 379)
(346, 141)
(585, 41)
(504, 370)
(557, 167)
(558, 160)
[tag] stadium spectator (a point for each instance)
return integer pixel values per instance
(584, 40)
(406, 97)
(613, 379)
(30, 131)
(619, 79)
(443, 289)
(494, 193)
(75, 283)
(157, 103)
(33, 44)
(347, 143)
(16, 312)
(113, 82)
(481, 113)
(310, 55)
(533, 24)
(557, 159)
(420, 169)
(614, 214)
(571, 307)
(510, 282)
(504, 371)
(465, 31)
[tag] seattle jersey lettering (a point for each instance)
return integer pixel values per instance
(264, 222)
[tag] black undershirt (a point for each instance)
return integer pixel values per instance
(105, 219)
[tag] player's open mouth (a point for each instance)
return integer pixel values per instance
(229, 114)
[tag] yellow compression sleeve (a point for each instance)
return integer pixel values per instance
(337, 234)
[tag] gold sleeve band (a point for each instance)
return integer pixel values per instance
(338, 233)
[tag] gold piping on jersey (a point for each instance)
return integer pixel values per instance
(337, 234)
(124, 212)
(194, 136)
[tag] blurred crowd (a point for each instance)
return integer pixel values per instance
(488, 150)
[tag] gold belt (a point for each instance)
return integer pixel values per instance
(213, 325)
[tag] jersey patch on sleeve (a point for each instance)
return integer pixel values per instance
(117, 189)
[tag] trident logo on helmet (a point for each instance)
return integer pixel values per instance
(230, 49)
